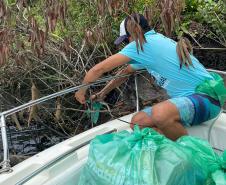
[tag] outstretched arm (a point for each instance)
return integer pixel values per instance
(114, 83)
(98, 70)
(105, 66)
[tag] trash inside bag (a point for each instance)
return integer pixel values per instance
(145, 157)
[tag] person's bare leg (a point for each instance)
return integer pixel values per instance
(165, 119)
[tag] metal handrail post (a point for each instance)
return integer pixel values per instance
(54, 95)
(217, 71)
(5, 163)
(137, 94)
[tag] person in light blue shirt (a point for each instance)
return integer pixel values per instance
(160, 59)
(173, 68)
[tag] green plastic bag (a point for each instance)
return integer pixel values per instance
(214, 88)
(145, 157)
(95, 112)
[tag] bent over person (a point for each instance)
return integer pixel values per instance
(193, 99)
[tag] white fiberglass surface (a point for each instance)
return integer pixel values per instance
(67, 170)
(219, 129)
(64, 172)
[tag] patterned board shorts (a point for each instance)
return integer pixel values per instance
(194, 109)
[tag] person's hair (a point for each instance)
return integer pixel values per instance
(184, 49)
(136, 31)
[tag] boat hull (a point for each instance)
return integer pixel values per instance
(62, 163)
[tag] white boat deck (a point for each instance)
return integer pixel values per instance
(66, 170)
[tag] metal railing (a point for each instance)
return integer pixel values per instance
(5, 164)
(217, 71)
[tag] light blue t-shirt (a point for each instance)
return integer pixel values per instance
(160, 59)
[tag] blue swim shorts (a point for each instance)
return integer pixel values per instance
(194, 109)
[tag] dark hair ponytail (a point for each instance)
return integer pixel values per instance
(134, 30)
(184, 49)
